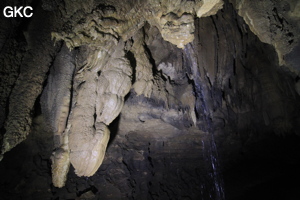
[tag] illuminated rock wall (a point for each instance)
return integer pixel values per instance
(173, 72)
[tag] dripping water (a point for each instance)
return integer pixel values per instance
(213, 188)
(216, 175)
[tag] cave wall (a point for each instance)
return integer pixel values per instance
(211, 103)
(27, 55)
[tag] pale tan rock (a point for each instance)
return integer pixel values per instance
(168, 70)
(111, 107)
(88, 150)
(88, 136)
(113, 84)
(209, 7)
(255, 16)
(55, 103)
(144, 76)
(119, 81)
(61, 162)
(188, 98)
(177, 30)
(60, 167)
(295, 9)
(272, 24)
(175, 20)
(71, 7)
(104, 82)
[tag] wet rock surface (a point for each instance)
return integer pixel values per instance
(217, 116)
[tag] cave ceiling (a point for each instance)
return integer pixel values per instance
(157, 69)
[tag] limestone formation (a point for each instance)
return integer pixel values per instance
(99, 90)
(29, 83)
(105, 103)
(174, 19)
(188, 98)
(61, 162)
(88, 149)
(178, 30)
(209, 7)
(116, 36)
(143, 75)
(275, 23)
(162, 87)
(101, 84)
(55, 105)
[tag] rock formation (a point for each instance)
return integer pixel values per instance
(275, 23)
(99, 86)
(145, 95)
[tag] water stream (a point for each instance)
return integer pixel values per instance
(213, 186)
(216, 175)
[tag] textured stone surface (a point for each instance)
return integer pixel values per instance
(178, 30)
(209, 7)
(29, 83)
(174, 19)
(276, 23)
(143, 72)
(165, 122)
(55, 104)
(60, 160)
(102, 82)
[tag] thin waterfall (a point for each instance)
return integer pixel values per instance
(213, 188)
(216, 175)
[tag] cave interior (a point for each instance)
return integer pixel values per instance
(154, 99)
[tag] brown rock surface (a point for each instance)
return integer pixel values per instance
(132, 116)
